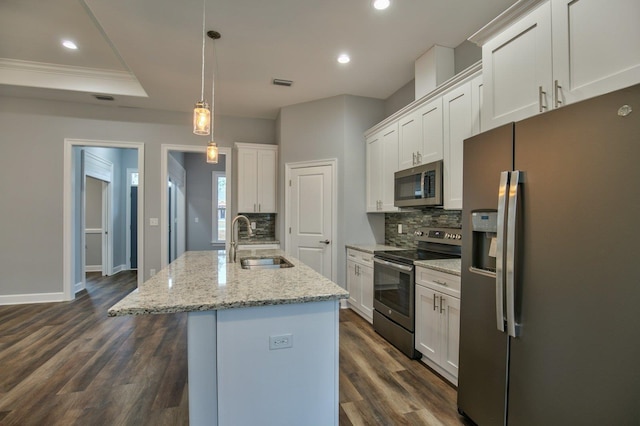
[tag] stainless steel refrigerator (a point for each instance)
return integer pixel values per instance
(551, 219)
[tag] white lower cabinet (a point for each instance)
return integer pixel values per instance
(438, 321)
(360, 282)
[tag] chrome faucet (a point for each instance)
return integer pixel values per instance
(233, 245)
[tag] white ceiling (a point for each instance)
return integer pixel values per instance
(129, 48)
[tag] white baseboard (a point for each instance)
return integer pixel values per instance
(93, 268)
(21, 299)
(78, 287)
(119, 268)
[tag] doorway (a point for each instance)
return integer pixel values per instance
(176, 204)
(310, 212)
(74, 209)
(132, 219)
(96, 220)
(170, 155)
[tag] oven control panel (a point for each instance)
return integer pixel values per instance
(439, 235)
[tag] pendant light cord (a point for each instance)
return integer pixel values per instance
(204, 14)
(213, 82)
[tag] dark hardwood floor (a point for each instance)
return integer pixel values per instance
(69, 364)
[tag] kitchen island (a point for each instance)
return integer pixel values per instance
(262, 344)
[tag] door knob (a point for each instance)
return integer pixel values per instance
(325, 242)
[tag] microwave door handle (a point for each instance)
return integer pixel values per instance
(502, 210)
(422, 176)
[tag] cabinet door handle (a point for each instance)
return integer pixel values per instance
(419, 156)
(541, 94)
(556, 88)
(444, 283)
(434, 301)
(414, 158)
(254, 207)
(259, 208)
(441, 305)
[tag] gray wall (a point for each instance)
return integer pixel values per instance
(465, 55)
(333, 128)
(400, 99)
(31, 234)
(199, 199)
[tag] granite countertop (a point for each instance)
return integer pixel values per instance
(205, 281)
(370, 248)
(449, 266)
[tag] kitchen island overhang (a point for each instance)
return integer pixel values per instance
(262, 344)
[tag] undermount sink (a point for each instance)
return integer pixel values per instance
(267, 262)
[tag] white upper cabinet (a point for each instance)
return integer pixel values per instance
(596, 47)
(541, 55)
(517, 70)
(410, 141)
(421, 135)
(382, 163)
(257, 178)
(431, 131)
(458, 126)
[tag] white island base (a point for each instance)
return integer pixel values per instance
(235, 378)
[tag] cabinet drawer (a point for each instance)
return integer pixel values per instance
(360, 257)
(439, 281)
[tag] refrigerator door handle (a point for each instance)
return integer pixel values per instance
(516, 178)
(502, 210)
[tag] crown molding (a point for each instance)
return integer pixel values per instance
(503, 20)
(52, 76)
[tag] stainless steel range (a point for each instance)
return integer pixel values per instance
(394, 284)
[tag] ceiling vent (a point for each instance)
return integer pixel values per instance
(280, 82)
(104, 97)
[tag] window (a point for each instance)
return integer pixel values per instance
(219, 208)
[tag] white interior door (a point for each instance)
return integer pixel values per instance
(311, 219)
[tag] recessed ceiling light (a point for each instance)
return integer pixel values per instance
(69, 44)
(344, 58)
(381, 4)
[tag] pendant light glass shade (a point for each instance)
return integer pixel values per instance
(212, 153)
(201, 118)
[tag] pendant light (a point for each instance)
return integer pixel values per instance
(212, 148)
(201, 112)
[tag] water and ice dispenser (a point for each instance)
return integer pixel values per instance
(485, 231)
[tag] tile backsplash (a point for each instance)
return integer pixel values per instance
(413, 219)
(265, 227)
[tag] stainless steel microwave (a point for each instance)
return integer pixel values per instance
(419, 186)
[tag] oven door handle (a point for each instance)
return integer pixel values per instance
(392, 265)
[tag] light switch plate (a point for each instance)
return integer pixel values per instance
(153, 221)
